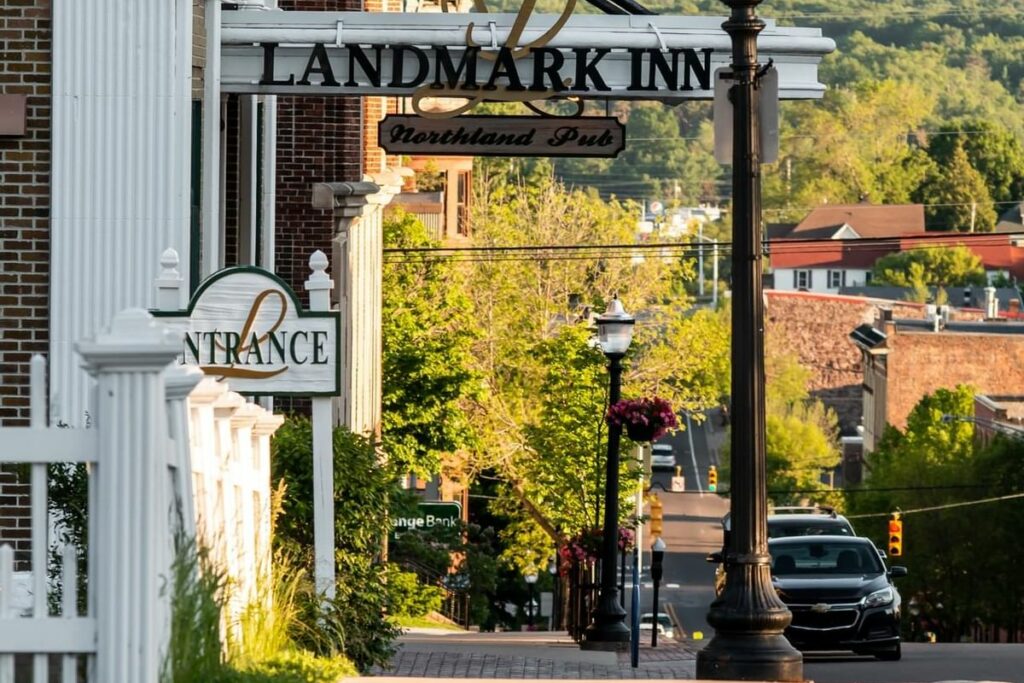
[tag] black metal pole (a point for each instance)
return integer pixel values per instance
(529, 612)
(657, 557)
(622, 577)
(749, 619)
(608, 630)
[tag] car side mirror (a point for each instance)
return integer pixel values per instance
(717, 558)
(897, 572)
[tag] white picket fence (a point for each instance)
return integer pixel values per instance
(167, 453)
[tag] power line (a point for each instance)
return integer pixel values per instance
(947, 506)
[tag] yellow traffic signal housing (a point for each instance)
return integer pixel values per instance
(657, 515)
(712, 478)
(895, 535)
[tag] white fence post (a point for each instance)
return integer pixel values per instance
(170, 286)
(132, 507)
(319, 287)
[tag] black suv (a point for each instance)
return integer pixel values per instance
(840, 594)
(803, 521)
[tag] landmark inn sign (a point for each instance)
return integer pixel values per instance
(499, 56)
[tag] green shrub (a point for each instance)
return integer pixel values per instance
(407, 597)
(354, 623)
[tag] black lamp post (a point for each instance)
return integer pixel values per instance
(749, 618)
(556, 596)
(657, 558)
(531, 579)
(608, 630)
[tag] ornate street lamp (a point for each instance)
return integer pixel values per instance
(608, 630)
(531, 579)
(748, 617)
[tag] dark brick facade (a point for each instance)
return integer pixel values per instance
(25, 67)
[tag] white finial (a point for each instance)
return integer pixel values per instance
(318, 262)
(169, 262)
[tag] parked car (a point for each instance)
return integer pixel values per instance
(840, 594)
(784, 522)
(666, 629)
(648, 626)
(662, 456)
(807, 521)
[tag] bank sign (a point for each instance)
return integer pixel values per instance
(508, 57)
(430, 515)
(247, 326)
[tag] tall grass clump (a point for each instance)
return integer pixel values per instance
(261, 647)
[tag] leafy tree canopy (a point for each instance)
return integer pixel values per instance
(427, 334)
(956, 197)
(939, 267)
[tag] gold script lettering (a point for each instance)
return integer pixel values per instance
(518, 52)
(245, 338)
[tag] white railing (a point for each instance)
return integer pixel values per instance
(153, 424)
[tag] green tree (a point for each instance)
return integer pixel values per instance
(927, 464)
(956, 197)
(924, 267)
(850, 146)
(427, 335)
(990, 148)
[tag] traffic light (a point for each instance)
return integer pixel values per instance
(712, 478)
(657, 515)
(895, 535)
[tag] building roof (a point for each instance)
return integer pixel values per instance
(996, 251)
(1011, 220)
(975, 295)
(864, 220)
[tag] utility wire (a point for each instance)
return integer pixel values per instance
(947, 506)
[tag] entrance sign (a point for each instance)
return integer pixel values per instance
(516, 136)
(246, 325)
(468, 56)
(430, 515)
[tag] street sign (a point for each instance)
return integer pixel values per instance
(506, 136)
(769, 116)
(430, 515)
(499, 56)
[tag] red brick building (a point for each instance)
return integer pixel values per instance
(906, 359)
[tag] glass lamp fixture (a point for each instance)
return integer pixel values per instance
(615, 329)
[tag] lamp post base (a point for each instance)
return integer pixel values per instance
(608, 631)
(750, 657)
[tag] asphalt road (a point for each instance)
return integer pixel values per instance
(693, 529)
(922, 663)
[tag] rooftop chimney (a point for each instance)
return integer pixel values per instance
(991, 303)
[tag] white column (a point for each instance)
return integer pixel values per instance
(358, 259)
(319, 286)
(121, 168)
(132, 522)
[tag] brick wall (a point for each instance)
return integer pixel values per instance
(16, 516)
(25, 67)
(921, 362)
(25, 64)
(816, 329)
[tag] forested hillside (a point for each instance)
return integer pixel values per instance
(925, 104)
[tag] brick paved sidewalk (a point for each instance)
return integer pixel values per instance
(522, 656)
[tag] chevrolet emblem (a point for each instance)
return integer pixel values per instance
(820, 608)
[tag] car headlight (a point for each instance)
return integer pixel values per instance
(882, 597)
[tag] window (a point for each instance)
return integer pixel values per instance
(867, 278)
(801, 279)
(836, 279)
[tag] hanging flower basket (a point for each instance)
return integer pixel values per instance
(644, 419)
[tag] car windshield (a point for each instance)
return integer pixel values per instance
(830, 527)
(824, 557)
